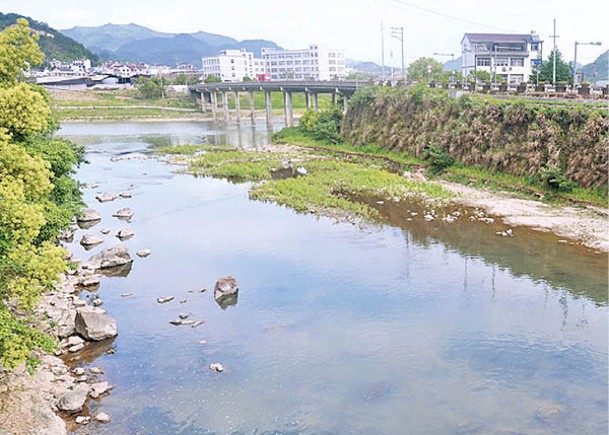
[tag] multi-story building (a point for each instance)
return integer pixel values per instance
(315, 63)
(507, 57)
(231, 65)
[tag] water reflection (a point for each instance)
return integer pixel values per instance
(410, 327)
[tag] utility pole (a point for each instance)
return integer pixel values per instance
(398, 33)
(554, 36)
(382, 51)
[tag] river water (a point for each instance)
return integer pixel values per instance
(401, 327)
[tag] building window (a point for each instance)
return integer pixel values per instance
(483, 61)
(516, 79)
(517, 61)
(535, 46)
(502, 61)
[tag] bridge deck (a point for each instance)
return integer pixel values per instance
(321, 87)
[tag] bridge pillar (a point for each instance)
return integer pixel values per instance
(287, 109)
(269, 109)
(252, 107)
(345, 103)
(334, 98)
(307, 99)
(237, 106)
(315, 101)
(225, 105)
(214, 104)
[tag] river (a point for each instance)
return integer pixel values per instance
(388, 328)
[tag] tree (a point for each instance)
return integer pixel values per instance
(150, 88)
(563, 70)
(418, 70)
(37, 197)
(212, 78)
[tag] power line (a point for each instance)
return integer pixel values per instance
(450, 17)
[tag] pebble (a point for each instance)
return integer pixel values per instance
(183, 315)
(105, 231)
(76, 348)
(75, 340)
(98, 303)
(183, 301)
(198, 323)
(125, 194)
(96, 371)
(217, 367)
(78, 371)
(102, 417)
(202, 341)
(143, 253)
(176, 322)
(187, 322)
(81, 419)
(126, 295)
(165, 299)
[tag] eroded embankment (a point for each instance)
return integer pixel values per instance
(520, 138)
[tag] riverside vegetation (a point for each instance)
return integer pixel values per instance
(538, 159)
(38, 198)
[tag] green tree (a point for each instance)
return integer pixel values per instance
(212, 78)
(37, 197)
(563, 70)
(418, 70)
(150, 88)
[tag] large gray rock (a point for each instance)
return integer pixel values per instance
(125, 234)
(226, 292)
(124, 213)
(105, 197)
(226, 286)
(73, 401)
(109, 258)
(90, 240)
(88, 215)
(93, 325)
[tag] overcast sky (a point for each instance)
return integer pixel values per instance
(354, 25)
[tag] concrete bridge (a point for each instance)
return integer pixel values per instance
(207, 96)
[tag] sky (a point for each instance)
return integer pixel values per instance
(430, 26)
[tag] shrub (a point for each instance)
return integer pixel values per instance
(437, 158)
(554, 179)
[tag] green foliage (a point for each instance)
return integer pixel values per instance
(563, 70)
(437, 158)
(37, 197)
(212, 78)
(54, 44)
(183, 79)
(150, 88)
(479, 76)
(309, 118)
(18, 51)
(323, 125)
(555, 179)
(418, 70)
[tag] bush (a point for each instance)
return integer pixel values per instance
(554, 179)
(437, 158)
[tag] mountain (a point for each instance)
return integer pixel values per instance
(366, 67)
(166, 50)
(110, 37)
(132, 42)
(53, 44)
(598, 69)
(453, 64)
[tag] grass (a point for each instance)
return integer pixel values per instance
(123, 113)
(328, 188)
(468, 175)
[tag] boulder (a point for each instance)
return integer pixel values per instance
(90, 280)
(226, 292)
(102, 417)
(109, 258)
(226, 286)
(124, 213)
(105, 231)
(88, 215)
(93, 325)
(125, 234)
(105, 197)
(73, 401)
(143, 253)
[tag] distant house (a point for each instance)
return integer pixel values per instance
(507, 57)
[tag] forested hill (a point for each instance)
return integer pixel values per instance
(53, 44)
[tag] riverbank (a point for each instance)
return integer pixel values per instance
(332, 191)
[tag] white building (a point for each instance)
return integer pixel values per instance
(231, 65)
(507, 57)
(315, 63)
